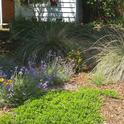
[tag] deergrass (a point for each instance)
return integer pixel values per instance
(41, 38)
(110, 59)
(34, 39)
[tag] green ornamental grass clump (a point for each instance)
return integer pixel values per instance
(110, 59)
(61, 107)
(36, 39)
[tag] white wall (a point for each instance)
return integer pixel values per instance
(65, 10)
(0, 12)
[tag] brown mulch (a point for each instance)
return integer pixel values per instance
(82, 80)
(4, 111)
(113, 109)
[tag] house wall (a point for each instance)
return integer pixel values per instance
(0, 12)
(65, 10)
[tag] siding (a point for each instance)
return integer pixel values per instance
(65, 11)
(0, 12)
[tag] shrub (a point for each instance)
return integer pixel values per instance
(110, 57)
(102, 10)
(78, 57)
(53, 70)
(17, 89)
(27, 82)
(118, 21)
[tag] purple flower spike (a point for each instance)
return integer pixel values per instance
(43, 66)
(8, 87)
(44, 85)
(27, 71)
(2, 74)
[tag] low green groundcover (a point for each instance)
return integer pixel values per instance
(61, 107)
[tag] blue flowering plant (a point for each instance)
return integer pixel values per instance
(26, 82)
(20, 87)
(54, 72)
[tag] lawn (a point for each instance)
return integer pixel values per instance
(61, 107)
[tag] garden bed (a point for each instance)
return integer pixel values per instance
(45, 81)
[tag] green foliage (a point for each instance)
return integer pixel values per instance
(120, 7)
(110, 58)
(110, 93)
(98, 79)
(61, 107)
(36, 39)
(78, 58)
(60, 70)
(24, 87)
(27, 82)
(55, 70)
(32, 40)
(7, 62)
(118, 21)
(103, 10)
